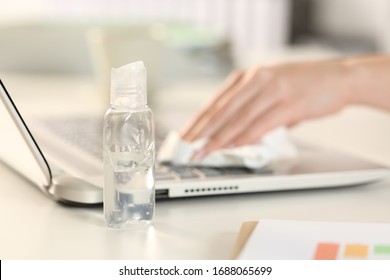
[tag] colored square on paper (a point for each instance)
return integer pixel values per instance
(382, 249)
(356, 250)
(326, 251)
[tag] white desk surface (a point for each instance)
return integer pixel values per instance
(34, 227)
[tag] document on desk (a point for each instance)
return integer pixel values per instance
(307, 240)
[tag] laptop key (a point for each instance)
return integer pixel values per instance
(237, 171)
(184, 172)
(210, 171)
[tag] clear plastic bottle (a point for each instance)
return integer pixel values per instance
(129, 150)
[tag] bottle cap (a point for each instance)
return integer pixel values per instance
(128, 85)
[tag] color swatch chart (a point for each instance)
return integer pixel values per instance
(315, 240)
(334, 251)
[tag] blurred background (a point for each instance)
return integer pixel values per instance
(181, 39)
(62, 51)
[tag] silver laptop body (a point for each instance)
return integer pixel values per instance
(70, 170)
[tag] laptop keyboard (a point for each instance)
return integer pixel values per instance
(86, 133)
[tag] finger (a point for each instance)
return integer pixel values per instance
(249, 113)
(250, 86)
(197, 122)
(279, 115)
(209, 111)
(252, 133)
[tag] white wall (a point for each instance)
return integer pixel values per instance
(360, 18)
(261, 24)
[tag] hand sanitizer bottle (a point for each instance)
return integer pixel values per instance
(128, 150)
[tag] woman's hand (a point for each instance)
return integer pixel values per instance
(255, 101)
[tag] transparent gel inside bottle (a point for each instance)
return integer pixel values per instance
(129, 150)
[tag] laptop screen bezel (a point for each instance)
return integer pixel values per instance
(36, 153)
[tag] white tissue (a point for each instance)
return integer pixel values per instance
(274, 146)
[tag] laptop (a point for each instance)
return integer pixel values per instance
(63, 158)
